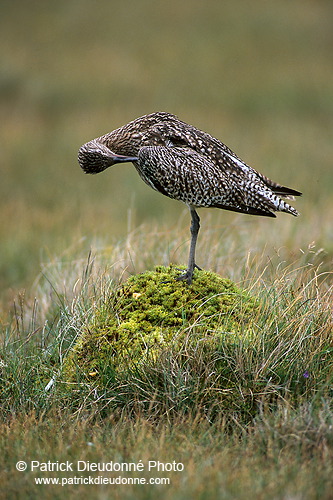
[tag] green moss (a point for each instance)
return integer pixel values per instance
(151, 311)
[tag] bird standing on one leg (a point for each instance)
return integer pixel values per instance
(187, 164)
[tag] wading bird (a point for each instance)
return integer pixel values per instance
(187, 164)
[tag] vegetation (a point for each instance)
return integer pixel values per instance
(243, 411)
(248, 414)
(153, 312)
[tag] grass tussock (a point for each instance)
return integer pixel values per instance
(151, 313)
(287, 354)
(257, 400)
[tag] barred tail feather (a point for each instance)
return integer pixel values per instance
(285, 207)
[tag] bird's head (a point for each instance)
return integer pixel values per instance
(94, 157)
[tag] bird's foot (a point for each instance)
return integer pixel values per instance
(188, 274)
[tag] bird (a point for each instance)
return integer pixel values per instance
(187, 164)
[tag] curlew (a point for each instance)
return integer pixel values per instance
(189, 165)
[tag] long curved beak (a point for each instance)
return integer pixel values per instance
(122, 159)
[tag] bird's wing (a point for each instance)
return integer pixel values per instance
(188, 176)
(172, 135)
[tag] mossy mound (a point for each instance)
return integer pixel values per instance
(152, 311)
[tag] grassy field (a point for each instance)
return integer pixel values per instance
(256, 75)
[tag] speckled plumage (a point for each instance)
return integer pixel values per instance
(187, 164)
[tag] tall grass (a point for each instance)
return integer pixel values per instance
(290, 353)
(252, 414)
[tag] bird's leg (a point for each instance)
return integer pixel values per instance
(195, 226)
